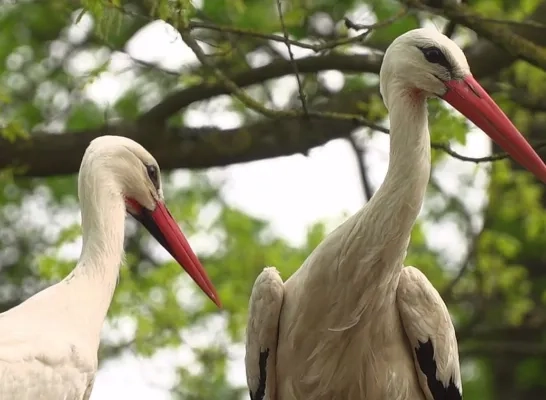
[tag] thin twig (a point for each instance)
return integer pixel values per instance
(539, 145)
(499, 21)
(251, 33)
(317, 48)
(358, 120)
(504, 348)
(490, 28)
(358, 27)
(447, 292)
(526, 24)
(360, 154)
(257, 106)
(292, 61)
(237, 45)
(495, 157)
(450, 28)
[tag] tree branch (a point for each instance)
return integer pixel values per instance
(292, 59)
(177, 100)
(483, 57)
(518, 94)
(472, 247)
(360, 159)
(495, 157)
(486, 58)
(47, 155)
(44, 154)
(503, 348)
(514, 44)
(319, 47)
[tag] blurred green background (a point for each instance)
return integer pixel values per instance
(72, 70)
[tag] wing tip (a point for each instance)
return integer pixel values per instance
(259, 393)
(425, 358)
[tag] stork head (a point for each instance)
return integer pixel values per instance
(422, 60)
(136, 175)
(425, 63)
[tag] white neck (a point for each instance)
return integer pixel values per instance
(398, 201)
(371, 245)
(91, 285)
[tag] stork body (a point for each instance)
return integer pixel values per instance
(353, 323)
(49, 343)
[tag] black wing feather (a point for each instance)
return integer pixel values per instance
(427, 363)
(260, 390)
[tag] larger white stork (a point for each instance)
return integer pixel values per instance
(353, 323)
(49, 343)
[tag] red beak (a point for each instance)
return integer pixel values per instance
(472, 100)
(165, 230)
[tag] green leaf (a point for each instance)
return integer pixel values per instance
(86, 115)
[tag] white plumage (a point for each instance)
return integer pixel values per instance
(49, 343)
(353, 323)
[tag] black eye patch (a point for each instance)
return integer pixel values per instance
(153, 174)
(435, 56)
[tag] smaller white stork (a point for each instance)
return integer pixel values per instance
(49, 343)
(353, 323)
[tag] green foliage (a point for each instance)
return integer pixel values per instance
(478, 385)
(387, 9)
(499, 297)
(85, 115)
(529, 372)
(440, 118)
(213, 366)
(14, 131)
(127, 106)
(424, 258)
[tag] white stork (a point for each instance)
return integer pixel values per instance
(49, 343)
(353, 323)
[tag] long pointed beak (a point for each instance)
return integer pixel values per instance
(472, 100)
(165, 230)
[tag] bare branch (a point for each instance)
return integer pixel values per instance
(527, 24)
(317, 48)
(537, 146)
(508, 22)
(177, 100)
(291, 56)
(267, 36)
(43, 154)
(486, 58)
(448, 291)
(450, 28)
(255, 105)
(517, 93)
(514, 44)
(386, 22)
(503, 348)
(360, 154)
(495, 157)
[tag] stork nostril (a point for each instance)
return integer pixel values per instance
(472, 89)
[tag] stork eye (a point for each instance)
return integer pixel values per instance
(153, 174)
(435, 56)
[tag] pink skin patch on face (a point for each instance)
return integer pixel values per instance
(132, 206)
(416, 93)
